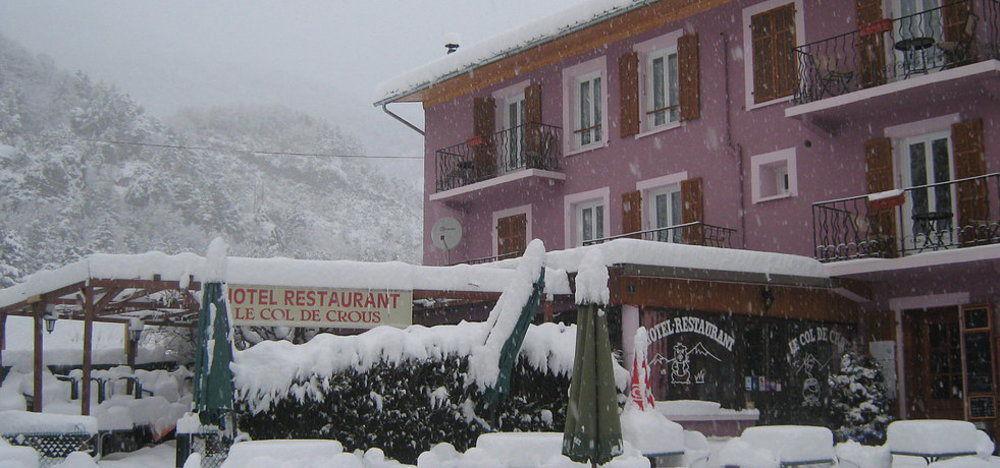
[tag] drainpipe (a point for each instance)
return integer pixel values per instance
(385, 108)
(734, 148)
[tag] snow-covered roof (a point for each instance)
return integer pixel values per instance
(666, 254)
(275, 272)
(503, 45)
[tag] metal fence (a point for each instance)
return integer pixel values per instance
(695, 233)
(528, 146)
(888, 50)
(925, 218)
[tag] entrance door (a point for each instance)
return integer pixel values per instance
(933, 353)
(929, 214)
(512, 235)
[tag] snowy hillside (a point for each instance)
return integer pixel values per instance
(66, 192)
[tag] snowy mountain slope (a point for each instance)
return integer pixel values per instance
(65, 193)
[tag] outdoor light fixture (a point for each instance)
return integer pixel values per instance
(135, 328)
(50, 317)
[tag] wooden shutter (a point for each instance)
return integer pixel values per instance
(689, 76)
(870, 47)
(761, 31)
(483, 128)
(692, 210)
(532, 127)
(785, 70)
(878, 178)
(512, 235)
(628, 82)
(632, 213)
(955, 16)
(970, 161)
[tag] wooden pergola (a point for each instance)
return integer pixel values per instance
(154, 301)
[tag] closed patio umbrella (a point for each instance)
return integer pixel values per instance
(213, 379)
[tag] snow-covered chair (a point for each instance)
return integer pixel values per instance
(851, 454)
(937, 439)
(777, 446)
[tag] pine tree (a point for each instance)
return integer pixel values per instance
(859, 400)
(11, 258)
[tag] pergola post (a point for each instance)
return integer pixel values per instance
(88, 344)
(38, 309)
(129, 355)
(3, 342)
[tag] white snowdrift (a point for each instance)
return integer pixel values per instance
(517, 450)
(26, 422)
(650, 432)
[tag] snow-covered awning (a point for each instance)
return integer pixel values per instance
(503, 45)
(187, 268)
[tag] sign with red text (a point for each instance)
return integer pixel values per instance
(273, 306)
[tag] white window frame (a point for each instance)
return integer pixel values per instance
(571, 79)
(648, 51)
(650, 187)
(571, 203)
(787, 156)
(497, 215)
(800, 36)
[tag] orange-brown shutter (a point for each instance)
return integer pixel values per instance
(785, 69)
(878, 178)
(870, 47)
(970, 161)
(955, 16)
(628, 83)
(532, 129)
(632, 213)
(483, 128)
(512, 235)
(693, 210)
(689, 76)
(761, 31)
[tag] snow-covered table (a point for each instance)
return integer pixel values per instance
(937, 439)
(52, 435)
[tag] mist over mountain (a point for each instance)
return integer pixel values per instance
(67, 190)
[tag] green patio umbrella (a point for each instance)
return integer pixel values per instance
(512, 346)
(213, 379)
(593, 429)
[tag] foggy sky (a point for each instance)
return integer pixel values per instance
(321, 57)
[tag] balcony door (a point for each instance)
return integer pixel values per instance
(664, 212)
(512, 157)
(919, 28)
(929, 215)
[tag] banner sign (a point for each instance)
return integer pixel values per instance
(274, 306)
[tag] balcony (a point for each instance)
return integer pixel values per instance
(696, 233)
(926, 218)
(892, 56)
(529, 150)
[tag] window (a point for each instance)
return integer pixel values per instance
(772, 30)
(588, 110)
(665, 211)
(590, 221)
(584, 105)
(661, 84)
(511, 231)
(773, 175)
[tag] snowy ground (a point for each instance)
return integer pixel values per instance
(160, 456)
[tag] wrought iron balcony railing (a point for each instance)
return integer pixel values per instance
(940, 216)
(528, 146)
(958, 33)
(696, 233)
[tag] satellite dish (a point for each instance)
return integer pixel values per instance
(446, 234)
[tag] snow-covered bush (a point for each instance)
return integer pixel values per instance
(400, 390)
(859, 402)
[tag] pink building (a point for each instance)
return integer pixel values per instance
(862, 134)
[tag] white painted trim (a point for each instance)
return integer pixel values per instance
(658, 182)
(923, 127)
(921, 260)
(800, 38)
(986, 66)
(661, 128)
(664, 42)
(523, 174)
(569, 214)
(523, 209)
(787, 155)
(512, 90)
(569, 76)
